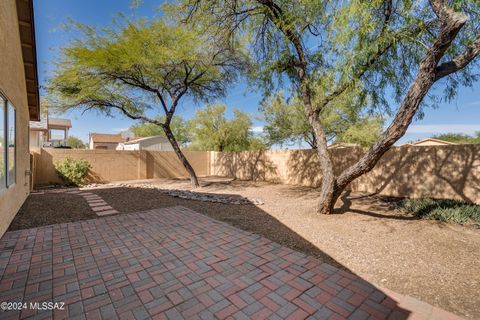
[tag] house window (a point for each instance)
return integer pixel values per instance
(11, 135)
(7, 143)
(3, 154)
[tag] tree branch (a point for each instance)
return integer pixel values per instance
(452, 22)
(460, 61)
(131, 81)
(361, 69)
(109, 104)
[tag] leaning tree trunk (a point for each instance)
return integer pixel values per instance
(427, 74)
(327, 191)
(181, 156)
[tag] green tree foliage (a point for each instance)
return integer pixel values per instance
(180, 129)
(459, 138)
(75, 143)
(364, 132)
(142, 68)
(363, 54)
(212, 130)
(286, 123)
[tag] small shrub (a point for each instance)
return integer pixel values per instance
(442, 209)
(72, 171)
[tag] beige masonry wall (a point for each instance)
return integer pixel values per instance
(436, 171)
(112, 165)
(451, 172)
(280, 166)
(12, 86)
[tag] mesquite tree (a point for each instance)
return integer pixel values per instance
(143, 70)
(366, 50)
(285, 123)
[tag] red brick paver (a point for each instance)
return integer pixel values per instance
(173, 263)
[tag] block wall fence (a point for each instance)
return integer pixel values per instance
(451, 172)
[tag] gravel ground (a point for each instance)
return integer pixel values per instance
(45, 209)
(433, 261)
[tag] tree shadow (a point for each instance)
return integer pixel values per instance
(304, 168)
(247, 217)
(248, 165)
(93, 177)
(346, 207)
(250, 218)
(468, 161)
(426, 171)
(433, 171)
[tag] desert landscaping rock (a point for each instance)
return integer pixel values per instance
(184, 194)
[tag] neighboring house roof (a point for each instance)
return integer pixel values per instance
(47, 123)
(430, 141)
(57, 122)
(342, 145)
(27, 37)
(106, 138)
(159, 139)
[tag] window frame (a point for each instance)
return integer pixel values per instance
(9, 105)
(5, 184)
(3, 181)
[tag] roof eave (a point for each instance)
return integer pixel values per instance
(26, 24)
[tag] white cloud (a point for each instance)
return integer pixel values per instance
(444, 128)
(119, 129)
(474, 104)
(257, 129)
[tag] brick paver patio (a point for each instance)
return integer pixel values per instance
(177, 264)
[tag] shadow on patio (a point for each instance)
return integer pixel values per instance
(173, 262)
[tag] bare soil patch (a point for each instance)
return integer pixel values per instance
(49, 208)
(432, 261)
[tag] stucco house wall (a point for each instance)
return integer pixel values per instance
(13, 87)
(103, 145)
(104, 141)
(155, 143)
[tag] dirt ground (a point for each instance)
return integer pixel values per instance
(432, 261)
(45, 209)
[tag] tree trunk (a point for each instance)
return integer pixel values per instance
(426, 77)
(181, 156)
(327, 198)
(327, 193)
(332, 187)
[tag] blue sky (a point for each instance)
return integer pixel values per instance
(461, 115)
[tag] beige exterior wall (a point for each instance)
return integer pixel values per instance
(451, 171)
(112, 165)
(437, 171)
(103, 145)
(37, 138)
(12, 85)
(299, 167)
(165, 164)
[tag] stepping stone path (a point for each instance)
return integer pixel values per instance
(96, 203)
